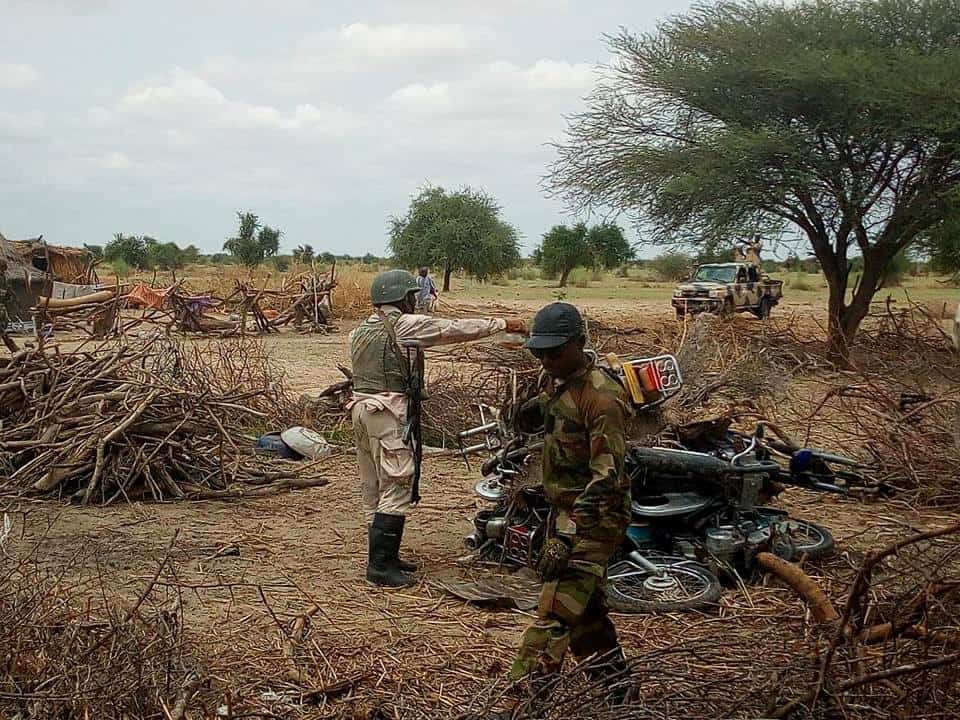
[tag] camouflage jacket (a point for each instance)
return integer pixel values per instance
(585, 419)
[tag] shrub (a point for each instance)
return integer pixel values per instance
(121, 268)
(798, 282)
(578, 278)
(671, 267)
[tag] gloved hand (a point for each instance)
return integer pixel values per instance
(515, 325)
(553, 559)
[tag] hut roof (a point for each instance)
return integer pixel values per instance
(65, 264)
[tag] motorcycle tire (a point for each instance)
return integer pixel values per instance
(685, 585)
(809, 539)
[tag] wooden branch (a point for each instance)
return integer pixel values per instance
(803, 584)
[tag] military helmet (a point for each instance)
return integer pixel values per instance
(554, 325)
(392, 286)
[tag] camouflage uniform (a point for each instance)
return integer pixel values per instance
(584, 480)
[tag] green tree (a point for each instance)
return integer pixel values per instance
(96, 251)
(253, 242)
(671, 267)
(837, 118)
(327, 258)
(564, 248)
(191, 255)
(942, 245)
(129, 248)
(166, 256)
(460, 230)
(303, 254)
(609, 246)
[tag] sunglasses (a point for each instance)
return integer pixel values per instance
(551, 353)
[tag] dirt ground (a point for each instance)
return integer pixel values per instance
(241, 570)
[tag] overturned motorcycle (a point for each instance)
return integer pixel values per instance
(698, 512)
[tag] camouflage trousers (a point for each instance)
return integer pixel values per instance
(572, 614)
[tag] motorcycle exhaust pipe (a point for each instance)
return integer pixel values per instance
(473, 541)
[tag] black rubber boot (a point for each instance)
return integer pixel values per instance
(383, 546)
(407, 567)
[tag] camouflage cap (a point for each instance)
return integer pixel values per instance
(554, 325)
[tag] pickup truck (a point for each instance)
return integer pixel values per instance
(728, 288)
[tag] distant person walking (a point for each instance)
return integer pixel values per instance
(427, 295)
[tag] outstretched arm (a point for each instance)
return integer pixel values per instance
(430, 331)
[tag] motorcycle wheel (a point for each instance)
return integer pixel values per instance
(809, 539)
(685, 585)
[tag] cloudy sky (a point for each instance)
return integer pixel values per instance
(324, 117)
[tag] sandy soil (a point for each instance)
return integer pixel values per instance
(242, 567)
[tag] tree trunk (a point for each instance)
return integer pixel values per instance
(844, 318)
(563, 277)
(447, 271)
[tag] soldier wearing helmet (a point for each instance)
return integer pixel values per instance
(379, 410)
(584, 411)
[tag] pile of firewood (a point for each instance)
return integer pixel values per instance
(157, 420)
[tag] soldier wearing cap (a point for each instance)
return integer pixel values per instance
(379, 408)
(584, 411)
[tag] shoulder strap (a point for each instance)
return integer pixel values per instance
(394, 344)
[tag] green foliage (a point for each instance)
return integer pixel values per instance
(370, 259)
(253, 242)
(327, 258)
(564, 248)
(164, 256)
(579, 277)
(96, 251)
(671, 266)
(941, 243)
(609, 246)
(459, 230)
(897, 269)
(799, 282)
(120, 267)
(745, 117)
(303, 254)
(129, 248)
(715, 252)
(191, 255)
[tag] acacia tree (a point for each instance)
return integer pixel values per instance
(460, 230)
(836, 118)
(253, 242)
(564, 248)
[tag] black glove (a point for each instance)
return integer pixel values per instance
(553, 559)
(529, 418)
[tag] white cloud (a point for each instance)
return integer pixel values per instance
(17, 76)
(24, 124)
(185, 97)
(389, 42)
(500, 87)
(423, 98)
(114, 160)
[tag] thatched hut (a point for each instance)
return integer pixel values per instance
(32, 268)
(63, 264)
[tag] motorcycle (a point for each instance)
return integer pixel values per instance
(698, 511)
